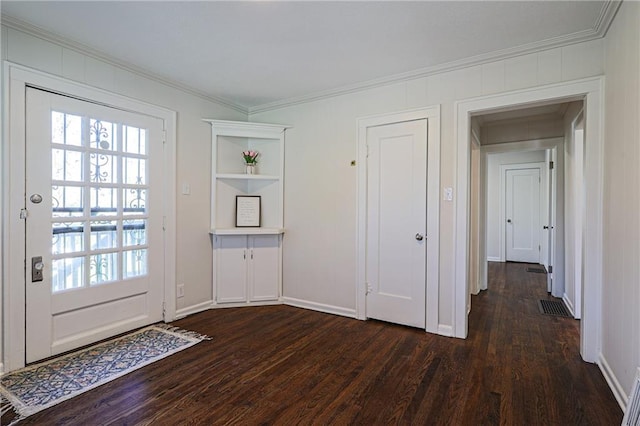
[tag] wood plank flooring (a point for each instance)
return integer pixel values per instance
(286, 366)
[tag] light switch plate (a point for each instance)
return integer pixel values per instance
(447, 194)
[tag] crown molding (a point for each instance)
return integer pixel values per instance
(599, 30)
(40, 33)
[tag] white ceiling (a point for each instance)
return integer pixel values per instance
(259, 53)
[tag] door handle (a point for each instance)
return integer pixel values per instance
(545, 227)
(419, 236)
(508, 220)
(36, 269)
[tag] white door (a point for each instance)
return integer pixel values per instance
(94, 224)
(523, 215)
(396, 222)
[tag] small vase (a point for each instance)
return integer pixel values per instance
(250, 169)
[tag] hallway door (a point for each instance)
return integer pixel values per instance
(523, 215)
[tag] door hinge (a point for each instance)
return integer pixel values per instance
(164, 310)
(550, 269)
(164, 223)
(550, 165)
(164, 136)
(24, 213)
(538, 247)
(368, 287)
(368, 151)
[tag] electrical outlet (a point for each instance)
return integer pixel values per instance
(180, 290)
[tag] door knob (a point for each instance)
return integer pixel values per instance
(36, 198)
(419, 236)
(508, 220)
(545, 227)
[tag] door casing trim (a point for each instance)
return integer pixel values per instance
(12, 309)
(591, 91)
(432, 115)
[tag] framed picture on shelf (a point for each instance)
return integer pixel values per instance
(248, 211)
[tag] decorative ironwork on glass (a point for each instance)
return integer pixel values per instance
(100, 170)
(134, 263)
(101, 134)
(67, 201)
(135, 201)
(104, 235)
(103, 168)
(103, 268)
(68, 237)
(134, 232)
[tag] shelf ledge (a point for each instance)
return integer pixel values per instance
(247, 231)
(246, 176)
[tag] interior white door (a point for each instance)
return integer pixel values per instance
(396, 222)
(94, 232)
(523, 215)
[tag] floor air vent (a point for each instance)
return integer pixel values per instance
(553, 307)
(632, 414)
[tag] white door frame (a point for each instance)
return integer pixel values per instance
(591, 91)
(16, 79)
(553, 144)
(503, 201)
(432, 115)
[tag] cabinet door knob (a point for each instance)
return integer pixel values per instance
(419, 236)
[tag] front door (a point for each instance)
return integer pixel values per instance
(94, 232)
(396, 222)
(523, 215)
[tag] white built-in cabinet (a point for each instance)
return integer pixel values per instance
(247, 262)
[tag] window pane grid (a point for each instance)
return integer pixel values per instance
(99, 209)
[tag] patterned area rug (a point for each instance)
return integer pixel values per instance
(39, 386)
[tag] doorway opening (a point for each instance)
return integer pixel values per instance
(471, 232)
(530, 178)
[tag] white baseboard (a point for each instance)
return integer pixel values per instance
(493, 259)
(614, 384)
(193, 309)
(569, 304)
(245, 304)
(320, 307)
(445, 330)
(1, 369)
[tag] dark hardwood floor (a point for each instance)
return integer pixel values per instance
(283, 365)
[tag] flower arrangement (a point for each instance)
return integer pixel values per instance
(250, 157)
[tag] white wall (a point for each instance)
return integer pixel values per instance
(621, 243)
(193, 141)
(495, 237)
(523, 129)
(320, 204)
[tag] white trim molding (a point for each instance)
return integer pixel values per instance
(320, 307)
(16, 79)
(27, 28)
(432, 115)
(599, 30)
(193, 309)
(591, 91)
(615, 386)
